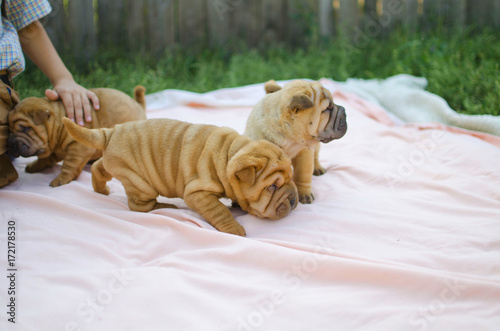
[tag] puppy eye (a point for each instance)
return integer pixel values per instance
(272, 187)
(330, 108)
(23, 128)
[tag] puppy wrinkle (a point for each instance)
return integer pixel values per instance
(275, 176)
(226, 144)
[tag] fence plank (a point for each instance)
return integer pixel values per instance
(369, 25)
(496, 15)
(219, 22)
(326, 20)
(54, 24)
(160, 26)
(392, 14)
(302, 19)
(431, 14)
(370, 8)
(348, 18)
(245, 21)
(274, 23)
(411, 15)
(454, 12)
(193, 24)
(83, 39)
(136, 27)
(111, 22)
(477, 12)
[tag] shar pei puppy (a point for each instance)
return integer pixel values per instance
(198, 163)
(36, 129)
(297, 118)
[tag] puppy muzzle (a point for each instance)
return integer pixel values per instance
(19, 147)
(288, 205)
(336, 127)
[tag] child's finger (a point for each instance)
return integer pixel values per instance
(77, 108)
(51, 95)
(67, 101)
(87, 109)
(95, 100)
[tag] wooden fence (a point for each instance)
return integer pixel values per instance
(134, 26)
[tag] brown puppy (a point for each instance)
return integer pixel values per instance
(36, 129)
(199, 163)
(297, 118)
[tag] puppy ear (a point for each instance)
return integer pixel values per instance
(247, 175)
(271, 87)
(300, 102)
(40, 116)
(251, 170)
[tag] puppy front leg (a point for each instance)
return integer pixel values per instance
(215, 212)
(76, 157)
(40, 164)
(318, 169)
(303, 165)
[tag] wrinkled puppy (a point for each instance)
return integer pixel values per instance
(36, 129)
(297, 118)
(199, 163)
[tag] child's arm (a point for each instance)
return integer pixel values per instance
(37, 45)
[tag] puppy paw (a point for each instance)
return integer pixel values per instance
(319, 171)
(35, 166)
(60, 180)
(160, 205)
(306, 198)
(106, 190)
(233, 228)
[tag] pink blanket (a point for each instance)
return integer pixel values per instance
(404, 234)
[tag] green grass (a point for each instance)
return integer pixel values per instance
(463, 67)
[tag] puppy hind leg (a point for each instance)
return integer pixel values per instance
(143, 204)
(143, 199)
(100, 177)
(160, 205)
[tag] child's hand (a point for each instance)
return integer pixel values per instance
(76, 100)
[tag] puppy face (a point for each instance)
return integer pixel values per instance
(28, 132)
(308, 111)
(261, 176)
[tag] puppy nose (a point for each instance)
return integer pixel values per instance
(293, 201)
(342, 122)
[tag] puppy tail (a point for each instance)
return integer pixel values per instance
(96, 138)
(271, 86)
(139, 92)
